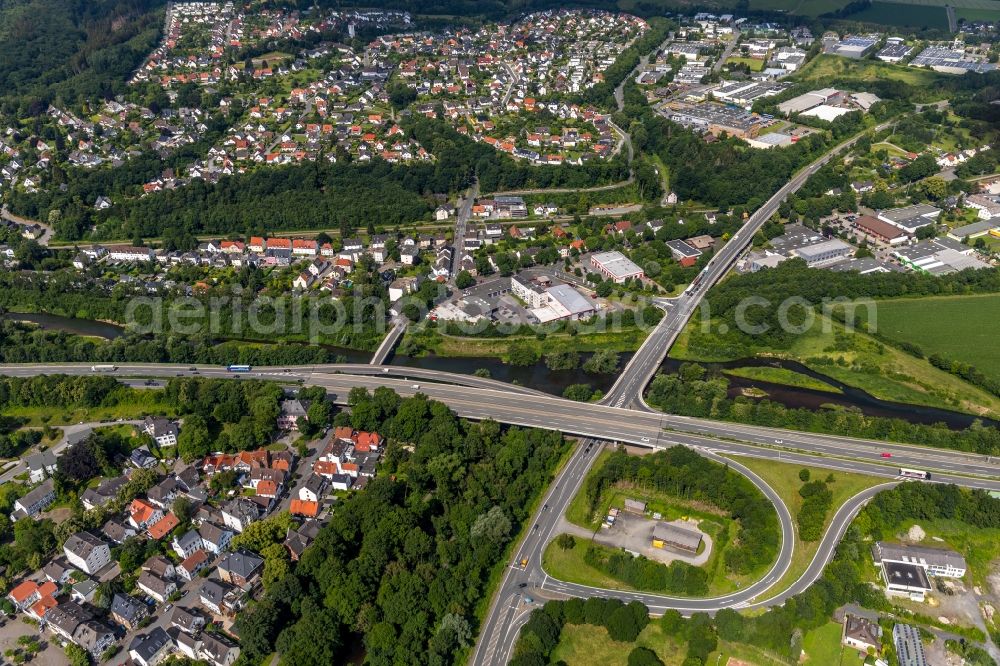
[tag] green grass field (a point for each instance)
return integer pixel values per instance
(755, 64)
(146, 402)
(584, 645)
(972, 14)
(822, 647)
(961, 328)
(860, 361)
(825, 68)
(915, 16)
(784, 478)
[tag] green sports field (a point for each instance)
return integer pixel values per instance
(961, 328)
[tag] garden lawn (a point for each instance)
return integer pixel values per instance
(784, 479)
(822, 647)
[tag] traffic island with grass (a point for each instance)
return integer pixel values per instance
(651, 523)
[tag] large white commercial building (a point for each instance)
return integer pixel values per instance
(615, 266)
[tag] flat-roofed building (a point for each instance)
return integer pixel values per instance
(894, 52)
(675, 537)
(910, 218)
(909, 649)
(808, 100)
(935, 561)
(908, 580)
(615, 266)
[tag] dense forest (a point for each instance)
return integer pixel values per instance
(694, 392)
(403, 565)
(316, 195)
(682, 473)
(355, 321)
(781, 629)
(71, 49)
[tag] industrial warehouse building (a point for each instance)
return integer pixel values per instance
(674, 537)
(615, 266)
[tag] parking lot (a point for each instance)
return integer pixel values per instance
(634, 533)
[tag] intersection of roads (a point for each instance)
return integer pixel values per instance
(622, 416)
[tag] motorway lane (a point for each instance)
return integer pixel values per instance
(290, 373)
(646, 361)
(509, 609)
(646, 429)
(476, 397)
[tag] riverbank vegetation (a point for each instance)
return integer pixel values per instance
(782, 376)
(357, 321)
(835, 340)
(525, 346)
(24, 343)
(694, 392)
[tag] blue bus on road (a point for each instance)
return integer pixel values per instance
(238, 368)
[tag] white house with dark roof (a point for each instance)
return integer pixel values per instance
(86, 552)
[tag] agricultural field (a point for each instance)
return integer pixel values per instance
(971, 14)
(961, 328)
(908, 15)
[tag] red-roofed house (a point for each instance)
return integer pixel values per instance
(304, 508)
(41, 607)
(142, 514)
(367, 441)
(163, 527)
(325, 468)
(267, 488)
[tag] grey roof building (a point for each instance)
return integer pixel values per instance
(909, 649)
(935, 561)
(149, 649)
(667, 535)
(128, 611)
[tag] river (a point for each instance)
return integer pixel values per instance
(539, 377)
(88, 327)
